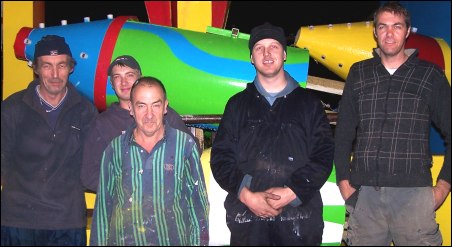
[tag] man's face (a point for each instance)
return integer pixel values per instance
(148, 108)
(391, 33)
(268, 57)
(122, 79)
(53, 72)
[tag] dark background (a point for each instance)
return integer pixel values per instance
(244, 15)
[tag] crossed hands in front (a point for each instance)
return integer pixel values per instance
(268, 203)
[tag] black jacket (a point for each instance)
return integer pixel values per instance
(287, 144)
(40, 164)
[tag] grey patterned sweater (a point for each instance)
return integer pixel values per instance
(384, 120)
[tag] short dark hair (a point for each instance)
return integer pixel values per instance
(396, 8)
(149, 81)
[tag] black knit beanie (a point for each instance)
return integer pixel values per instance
(267, 31)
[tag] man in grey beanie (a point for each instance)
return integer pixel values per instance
(43, 126)
(273, 152)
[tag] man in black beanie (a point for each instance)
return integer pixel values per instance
(267, 31)
(273, 152)
(43, 201)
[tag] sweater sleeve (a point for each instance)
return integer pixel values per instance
(440, 115)
(345, 131)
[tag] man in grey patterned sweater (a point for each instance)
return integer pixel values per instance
(385, 113)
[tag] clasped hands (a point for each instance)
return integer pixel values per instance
(267, 203)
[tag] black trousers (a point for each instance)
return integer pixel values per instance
(295, 226)
(12, 236)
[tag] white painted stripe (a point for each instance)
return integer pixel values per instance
(331, 194)
(332, 233)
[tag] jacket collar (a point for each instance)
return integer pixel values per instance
(72, 97)
(410, 62)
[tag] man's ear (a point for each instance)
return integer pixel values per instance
(408, 32)
(251, 59)
(375, 33)
(130, 108)
(166, 106)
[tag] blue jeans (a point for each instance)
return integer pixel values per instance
(381, 215)
(12, 236)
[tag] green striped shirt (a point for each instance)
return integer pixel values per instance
(156, 198)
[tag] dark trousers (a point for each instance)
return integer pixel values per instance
(12, 236)
(276, 233)
(295, 226)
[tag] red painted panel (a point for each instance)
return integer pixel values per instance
(219, 13)
(105, 54)
(159, 12)
(19, 43)
(428, 47)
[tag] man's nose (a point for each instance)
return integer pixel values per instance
(149, 112)
(390, 31)
(54, 72)
(123, 81)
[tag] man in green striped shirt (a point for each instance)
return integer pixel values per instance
(151, 187)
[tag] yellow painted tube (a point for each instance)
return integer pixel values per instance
(337, 46)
